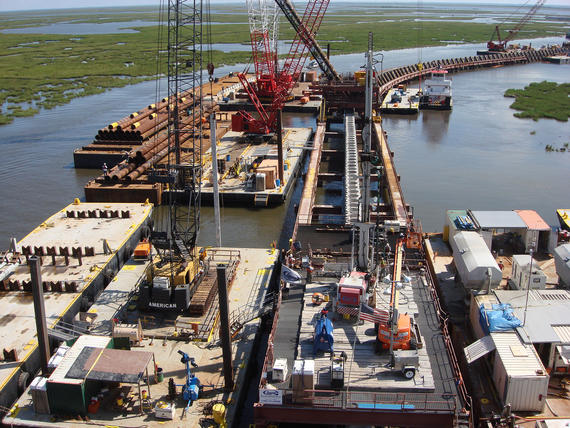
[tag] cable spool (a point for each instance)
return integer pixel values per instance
(318, 298)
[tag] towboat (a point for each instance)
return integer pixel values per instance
(564, 218)
(437, 91)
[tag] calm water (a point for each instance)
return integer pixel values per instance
(478, 156)
(83, 28)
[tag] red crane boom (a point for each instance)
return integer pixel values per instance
(286, 78)
(502, 44)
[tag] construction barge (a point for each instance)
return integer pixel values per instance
(76, 265)
(251, 169)
(137, 390)
(353, 381)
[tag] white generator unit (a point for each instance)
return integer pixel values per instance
(522, 276)
(260, 182)
(279, 371)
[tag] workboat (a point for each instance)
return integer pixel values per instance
(437, 91)
(563, 215)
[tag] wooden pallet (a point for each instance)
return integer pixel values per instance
(208, 289)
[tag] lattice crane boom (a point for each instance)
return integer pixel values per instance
(263, 17)
(184, 172)
(325, 65)
(287, 76)
(502, 43)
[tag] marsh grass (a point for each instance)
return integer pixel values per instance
(542, 100)
(53, 69)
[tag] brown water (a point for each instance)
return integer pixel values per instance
(477, 156)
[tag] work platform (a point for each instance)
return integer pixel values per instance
(96, 239)
(371, 390)
(365, 370)
(238, 159)
(253, 279)
(401, 101)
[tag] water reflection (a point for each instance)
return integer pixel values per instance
(435, 125)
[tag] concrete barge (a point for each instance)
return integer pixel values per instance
(81, 248)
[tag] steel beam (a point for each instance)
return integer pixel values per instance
(265, 414)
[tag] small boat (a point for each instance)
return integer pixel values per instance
(564, 218)
(313, 64)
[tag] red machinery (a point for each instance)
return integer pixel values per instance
(399, 332)
(501, 46)
(284, 79)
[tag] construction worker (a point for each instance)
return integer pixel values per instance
(105, 169)
(310, 270)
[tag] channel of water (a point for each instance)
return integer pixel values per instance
(477, 156)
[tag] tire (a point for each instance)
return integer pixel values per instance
(409, 373)
(24, 379)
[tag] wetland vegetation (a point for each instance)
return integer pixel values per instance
(542, 100)
(41, 71)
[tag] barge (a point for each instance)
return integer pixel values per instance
(333, 371)
(401, 100)
(81, 248)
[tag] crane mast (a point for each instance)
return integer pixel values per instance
(184, 77)
(285, 78)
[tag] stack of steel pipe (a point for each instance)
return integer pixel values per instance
(121, 130)
(155, 148)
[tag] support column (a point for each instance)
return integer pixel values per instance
(225, 328)
(280, 145)
(40, 313)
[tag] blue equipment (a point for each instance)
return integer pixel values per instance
(191, 389)
(323, 339)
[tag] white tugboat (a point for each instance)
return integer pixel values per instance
(437, 92)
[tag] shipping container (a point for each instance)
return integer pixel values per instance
(518, 374)
(487, 300)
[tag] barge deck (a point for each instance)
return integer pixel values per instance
(253, 280)
(77, 263)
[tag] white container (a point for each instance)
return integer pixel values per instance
(303, 374)
(163, 410)
(474, 261)
(522, 276)
(279, 372)
(518, 374)
(260, 182)
(303, 380)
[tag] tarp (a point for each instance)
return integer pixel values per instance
(323, 340)
(289, 275)
(499, 318)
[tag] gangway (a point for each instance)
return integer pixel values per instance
(351, 179)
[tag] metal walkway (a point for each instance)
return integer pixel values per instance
(351, 180)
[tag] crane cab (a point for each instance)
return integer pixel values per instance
(401, 336)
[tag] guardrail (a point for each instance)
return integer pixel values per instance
(392, 77)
